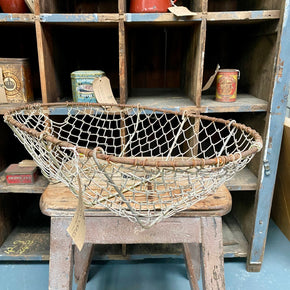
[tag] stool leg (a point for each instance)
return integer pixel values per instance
(212, 253)
(82, 263)
(61, 262)
(192, 261)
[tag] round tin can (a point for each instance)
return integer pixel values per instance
(226, 85)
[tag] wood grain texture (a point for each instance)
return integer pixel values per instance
(212, 254)
(57, 200)
(61, 258)
(191, 254)
(82, 261)
(281, 199)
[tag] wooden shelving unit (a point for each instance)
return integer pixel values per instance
(161, 60)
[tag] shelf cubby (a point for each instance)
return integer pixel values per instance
(242, 5)
(78, 6)
(249, 48)
(85, 48)
(163, 61)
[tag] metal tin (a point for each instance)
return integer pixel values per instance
(150, 6)
(20, 175)
(82, 85)
(226, 85)
(17, 80)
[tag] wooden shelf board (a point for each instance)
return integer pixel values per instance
(79, 18)
(26, 244)
(243, 180)
(244, 103)
(37, 188)
(172, 99)
(17, 18)
(243, 15)
(160, 17)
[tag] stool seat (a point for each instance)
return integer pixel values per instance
(198, 228)
(57, 199)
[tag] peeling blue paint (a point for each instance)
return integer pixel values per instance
(58, 18)
(11, 17)
(151, 17)
(273, 140)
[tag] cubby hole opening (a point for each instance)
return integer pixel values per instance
(242, 5)
(20, 42)
(254, 120)
(249, 48)
(78, 6)
(243, 210)
(85, 47)
(193, 5)
(162, 62)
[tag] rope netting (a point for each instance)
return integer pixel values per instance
(141, 163)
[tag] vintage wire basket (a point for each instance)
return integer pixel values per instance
(142, 163)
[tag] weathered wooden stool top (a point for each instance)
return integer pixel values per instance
(57, 200)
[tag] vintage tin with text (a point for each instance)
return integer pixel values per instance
(17, 80)
(82, 85)
(21, 175)
(226, 85)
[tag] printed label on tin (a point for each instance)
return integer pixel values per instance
(226, 86)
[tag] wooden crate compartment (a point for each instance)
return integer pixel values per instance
(20, 42)
(193, 5)
(250, 48)
(239, 5)
(78, 6)
(162, 61)
(84, 48)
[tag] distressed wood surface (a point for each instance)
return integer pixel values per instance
(272, 145)
(17, 18)
(243, 15)
(212, 254)
(47, 70)
(191, 254)
(61, 257)
(79, 18)
(82, 261)
(244, 103)
(57, 200)
(281, 200)
(38, 187)
(123, 54)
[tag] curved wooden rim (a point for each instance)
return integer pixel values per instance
(220, 161)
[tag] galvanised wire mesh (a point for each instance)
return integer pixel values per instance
(142, 163)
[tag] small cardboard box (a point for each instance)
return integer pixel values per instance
(21, 175)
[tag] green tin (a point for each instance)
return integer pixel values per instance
(82, 85)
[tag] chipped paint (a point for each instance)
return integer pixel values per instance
(159, 17)
(15, 17)
(272, 146)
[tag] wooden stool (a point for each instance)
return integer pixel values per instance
(199, 225)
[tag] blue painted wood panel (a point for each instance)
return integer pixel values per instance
(272, 145)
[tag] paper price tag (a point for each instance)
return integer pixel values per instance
(181, 11)
(77, 227)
